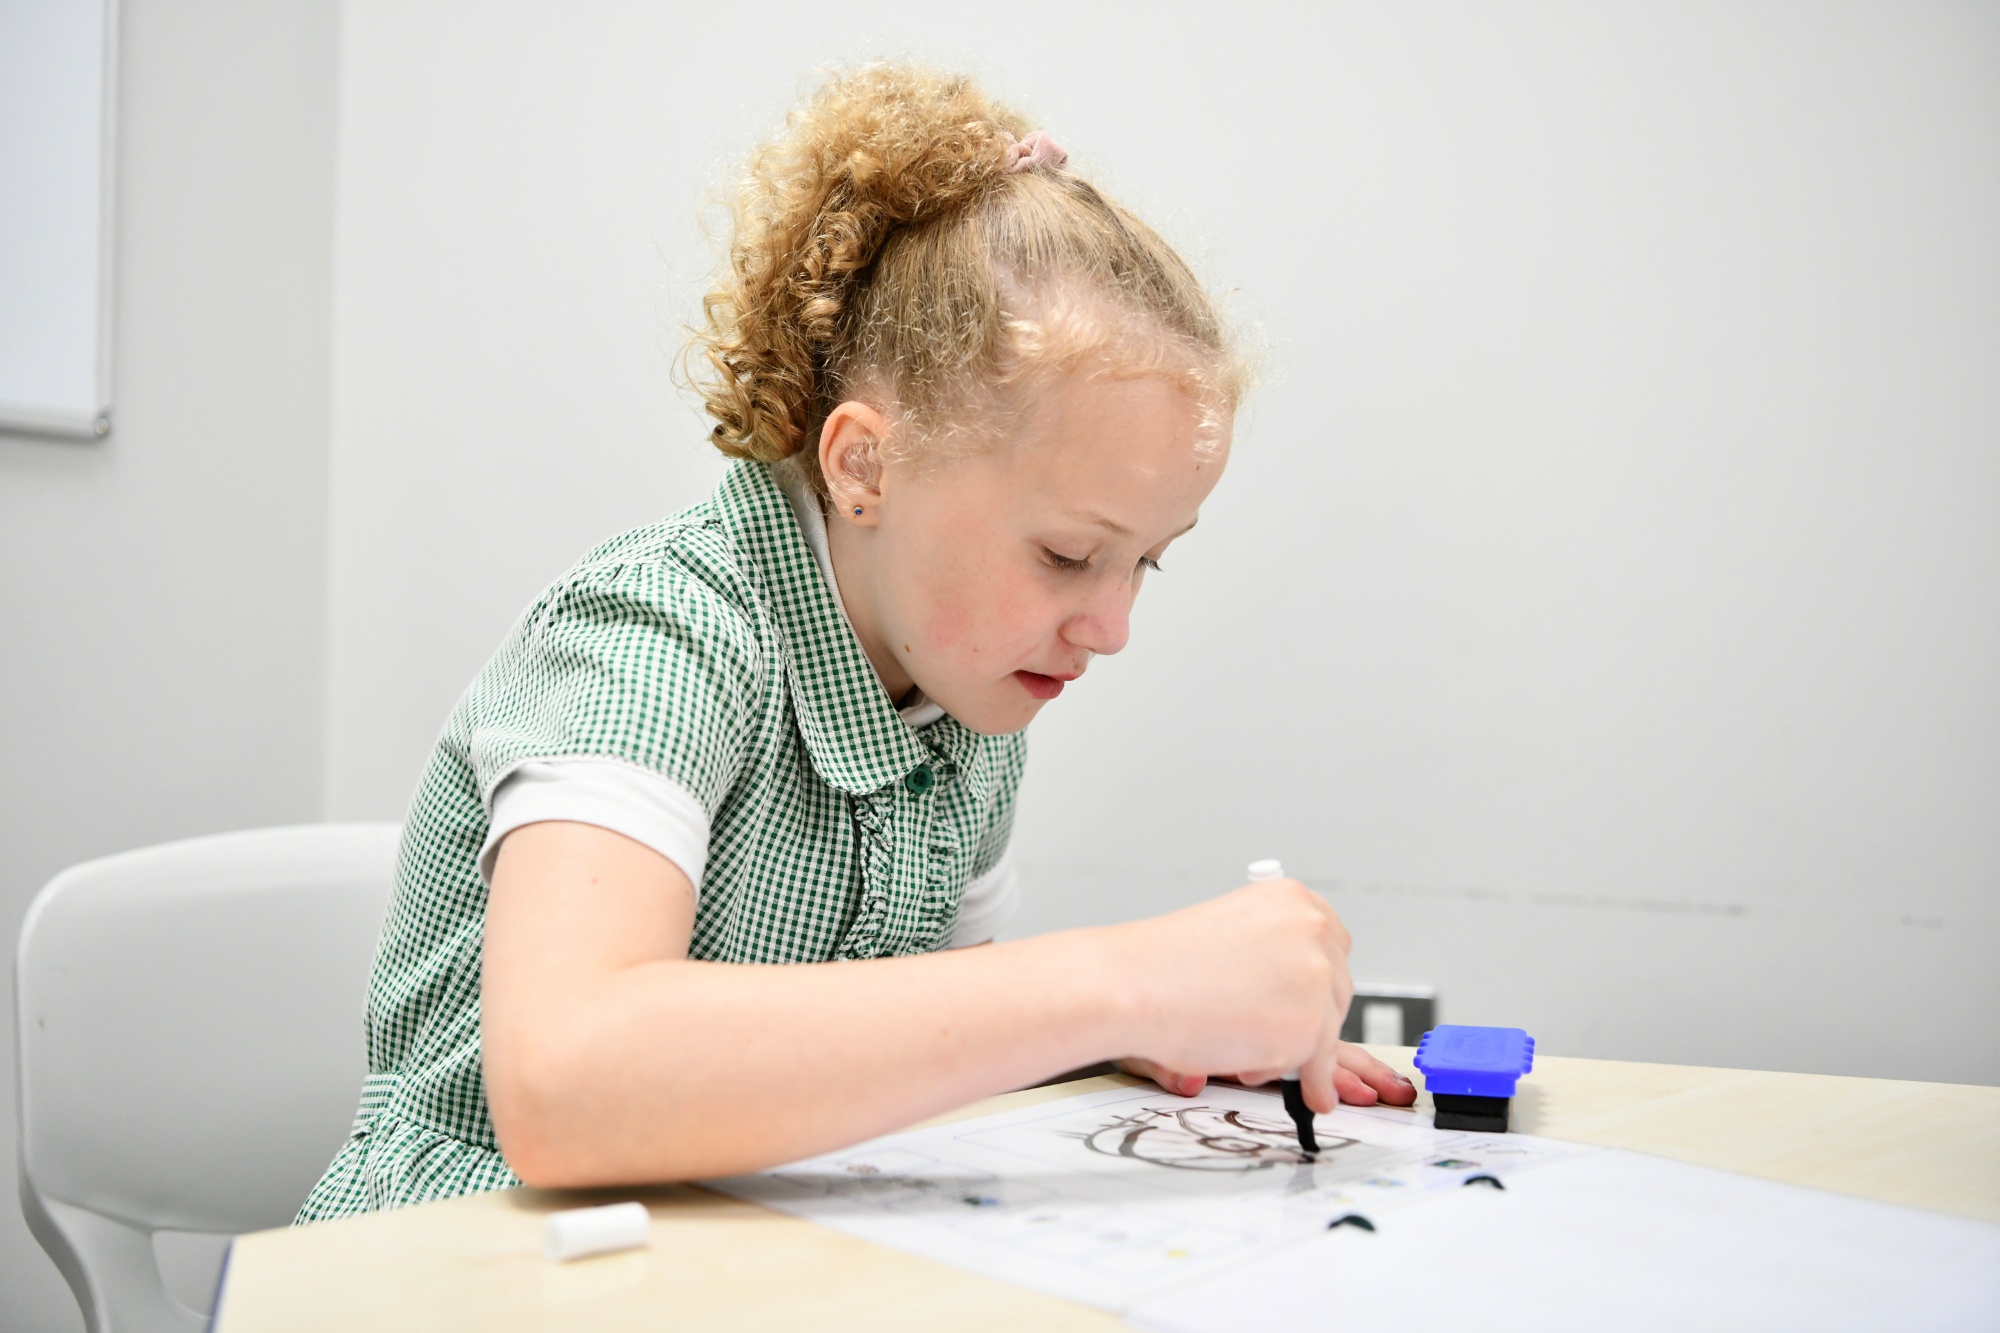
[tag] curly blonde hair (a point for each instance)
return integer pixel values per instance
(882, 250)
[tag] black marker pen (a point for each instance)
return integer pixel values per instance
(1294, 1095)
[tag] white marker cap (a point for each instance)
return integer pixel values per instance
(1261, 870)
(581, 1232)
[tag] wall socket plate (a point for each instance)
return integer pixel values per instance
(1390, 1015)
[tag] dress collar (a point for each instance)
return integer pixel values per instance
(857, 742)
(811, 519)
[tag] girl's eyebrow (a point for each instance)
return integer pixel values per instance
(1101, 521)
(1121, 530)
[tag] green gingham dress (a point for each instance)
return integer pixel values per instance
(709, 649)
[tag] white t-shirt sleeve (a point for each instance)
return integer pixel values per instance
(988, 903)
(645, 806)
(659, 813)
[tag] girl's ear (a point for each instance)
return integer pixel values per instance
(851, 445)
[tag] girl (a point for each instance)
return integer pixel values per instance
(974, 401)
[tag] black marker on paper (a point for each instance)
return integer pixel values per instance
(1294, 1095)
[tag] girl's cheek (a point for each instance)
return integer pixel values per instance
(953, 626)
(1020, 616)
(1002, 620)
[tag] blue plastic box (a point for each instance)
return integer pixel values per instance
(1474, 1062)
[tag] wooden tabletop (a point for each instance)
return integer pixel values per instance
(720, 1263)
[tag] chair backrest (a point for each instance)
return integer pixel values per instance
(190, 1045)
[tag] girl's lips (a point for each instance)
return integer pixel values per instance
(1042, 687)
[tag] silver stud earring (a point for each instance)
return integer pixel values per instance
(857, 511)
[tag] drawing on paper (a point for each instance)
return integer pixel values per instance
(1203, 1138)
(1111, 1196)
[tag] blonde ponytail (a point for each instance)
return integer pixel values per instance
(882, 247)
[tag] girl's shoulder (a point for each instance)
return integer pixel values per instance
(661, 622)
(736, 543)
(686, 573)
(692, 544)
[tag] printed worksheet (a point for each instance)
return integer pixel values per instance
(1116, 1197)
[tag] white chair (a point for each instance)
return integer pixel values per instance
(190, 1046)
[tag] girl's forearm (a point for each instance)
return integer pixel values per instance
(675, 1070)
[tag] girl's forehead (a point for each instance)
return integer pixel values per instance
(1100, 405)
(1121, 456)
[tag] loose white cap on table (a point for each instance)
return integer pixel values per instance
(581, 1232)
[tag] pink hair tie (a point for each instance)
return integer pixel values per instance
(1037, 150)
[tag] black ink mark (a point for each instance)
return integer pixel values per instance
(1204, 1138)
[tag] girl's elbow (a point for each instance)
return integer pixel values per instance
(525, 1099)
(543, 1155)
(541, 1164)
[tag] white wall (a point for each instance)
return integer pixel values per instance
(162, 592)
(1603, 607)
(1604, 603)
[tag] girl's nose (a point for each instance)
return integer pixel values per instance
(1103, 626)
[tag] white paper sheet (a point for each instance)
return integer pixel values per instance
(1116, 1197)
(1616, 1240)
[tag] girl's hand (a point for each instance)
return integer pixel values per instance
(1181, 1085)
(1255, 980)
(1362, 1080)
(1359, 1079)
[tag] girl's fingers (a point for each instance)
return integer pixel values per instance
(1320, 1081)
(1352, 1090)
(1181, 1085)
(1379, 1078)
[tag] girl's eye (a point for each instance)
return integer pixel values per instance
(1148, 562)
(1065, 562)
